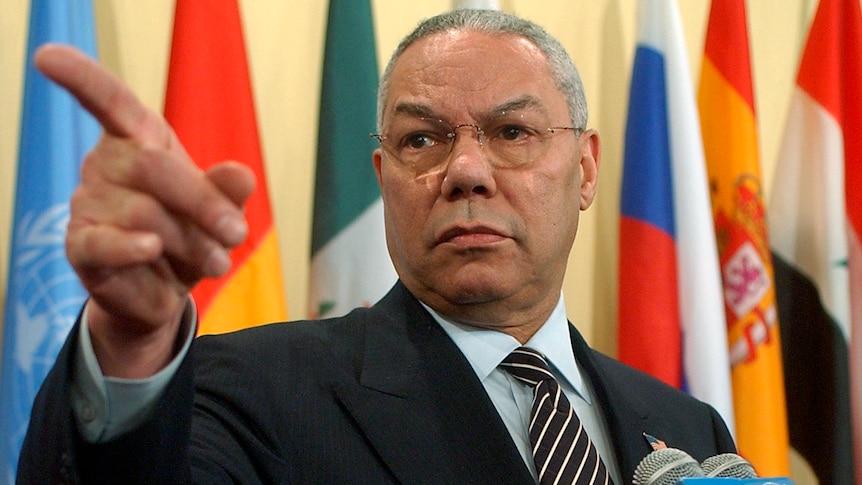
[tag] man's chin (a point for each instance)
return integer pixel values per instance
(470, 283)
(473, 293)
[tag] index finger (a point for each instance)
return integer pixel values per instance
(163, 170)
(101, 93)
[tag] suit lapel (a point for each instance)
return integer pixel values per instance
(422, 407)
(627, 416)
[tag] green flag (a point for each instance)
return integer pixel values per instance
(350, 266)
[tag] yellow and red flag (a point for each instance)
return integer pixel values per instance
(728, 126)
(210, 105)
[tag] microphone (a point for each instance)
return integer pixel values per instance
(729, 468)
(728, 465)
(666, 466)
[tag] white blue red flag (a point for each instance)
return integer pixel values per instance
(671, 309)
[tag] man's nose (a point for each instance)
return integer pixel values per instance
(469, 171)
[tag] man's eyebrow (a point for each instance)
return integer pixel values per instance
(526, 101)
(415, 109)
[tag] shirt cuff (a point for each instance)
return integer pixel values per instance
(106, 407)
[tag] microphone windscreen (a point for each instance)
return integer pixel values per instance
(728, 465)
(666, 466)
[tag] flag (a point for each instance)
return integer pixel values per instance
(43, 294)
(210, 105)
(815, 225)
(671, 318)
(350, 265)
(726, 101)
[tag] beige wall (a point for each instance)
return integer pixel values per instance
(285, 41)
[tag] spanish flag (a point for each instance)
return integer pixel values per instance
(728, 125)
(209, 104)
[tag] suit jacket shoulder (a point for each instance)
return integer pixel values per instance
(635, 403)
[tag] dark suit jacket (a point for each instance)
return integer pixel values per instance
(381, 395)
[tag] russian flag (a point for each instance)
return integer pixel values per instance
(671, 311)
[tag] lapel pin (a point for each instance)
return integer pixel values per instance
(656, 443)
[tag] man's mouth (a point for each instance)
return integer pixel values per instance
(471, 236)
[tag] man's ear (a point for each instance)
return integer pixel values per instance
(591, 154)
(377, 160)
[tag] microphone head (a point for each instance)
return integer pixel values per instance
(728, 465)
(666, 466)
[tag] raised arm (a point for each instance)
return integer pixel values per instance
(146, 224)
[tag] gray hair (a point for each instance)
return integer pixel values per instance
(563, 70)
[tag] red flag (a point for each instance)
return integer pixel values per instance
(209, 104)
(816, 224)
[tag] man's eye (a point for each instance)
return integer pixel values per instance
(417, 141)
(513, 132)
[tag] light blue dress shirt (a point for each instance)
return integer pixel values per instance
(106, 407)
(485, 349)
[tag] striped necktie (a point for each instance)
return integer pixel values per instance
(562, 450)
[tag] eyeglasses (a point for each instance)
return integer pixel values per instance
(425, 143)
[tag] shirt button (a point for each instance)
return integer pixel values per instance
(87, 413)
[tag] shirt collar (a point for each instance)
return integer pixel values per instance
(486, 348)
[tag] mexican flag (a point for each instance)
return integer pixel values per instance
(350, 265)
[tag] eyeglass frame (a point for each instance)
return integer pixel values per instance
(451, 135)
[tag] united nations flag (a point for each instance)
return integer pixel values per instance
(43, 294)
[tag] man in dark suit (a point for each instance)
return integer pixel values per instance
(485, 162)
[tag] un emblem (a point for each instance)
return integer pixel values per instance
(44, 298)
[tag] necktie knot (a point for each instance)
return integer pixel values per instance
(562, 451)
(528, 365)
